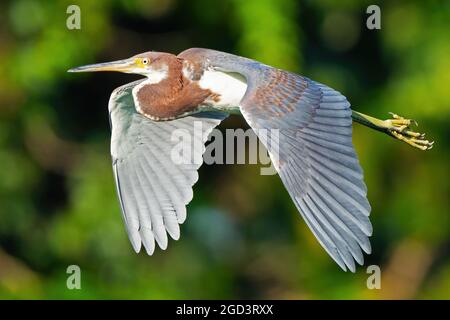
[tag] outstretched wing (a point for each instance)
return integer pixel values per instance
(313, 152)
(315, 158)
(153, 174)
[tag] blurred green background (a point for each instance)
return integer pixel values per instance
(243, 237)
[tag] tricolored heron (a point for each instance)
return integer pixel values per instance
(315, 157)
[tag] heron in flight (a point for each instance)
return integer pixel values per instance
(313, 154)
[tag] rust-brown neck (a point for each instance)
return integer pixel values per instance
(172, 96)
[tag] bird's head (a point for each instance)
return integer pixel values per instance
(154, 65)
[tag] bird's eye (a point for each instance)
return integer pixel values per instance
(145, 61)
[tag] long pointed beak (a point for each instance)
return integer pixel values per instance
(125, 65)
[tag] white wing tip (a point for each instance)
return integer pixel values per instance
(175, 236)
(135, 240)
(136, 246)
(352, 267)
(162, 243)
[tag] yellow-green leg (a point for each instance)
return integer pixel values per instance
(396, 127)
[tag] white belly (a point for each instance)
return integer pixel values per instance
(229, 87)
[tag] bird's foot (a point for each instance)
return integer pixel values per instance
(400, 128)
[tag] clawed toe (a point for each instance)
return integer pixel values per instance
(399, 128)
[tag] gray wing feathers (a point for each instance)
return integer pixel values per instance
(153, 190)
(316, 160)
(313, 154)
